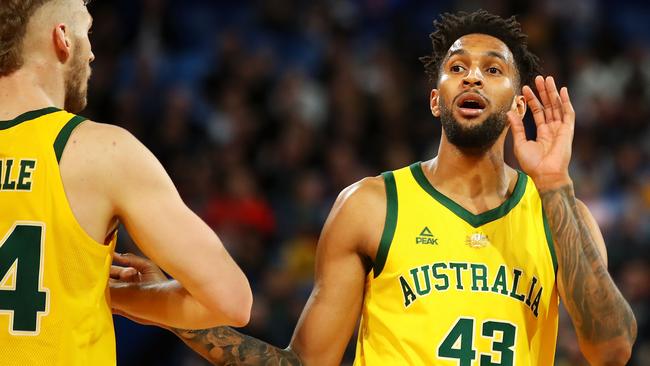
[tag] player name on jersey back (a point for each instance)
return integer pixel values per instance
(16, 174)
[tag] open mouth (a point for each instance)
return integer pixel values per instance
(471, 105)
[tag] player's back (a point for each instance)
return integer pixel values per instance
(53, 276)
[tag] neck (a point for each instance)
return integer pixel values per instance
(30, 88)
(471, 176)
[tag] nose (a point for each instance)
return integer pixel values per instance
(473, 79)
(92, 56)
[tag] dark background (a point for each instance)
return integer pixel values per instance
(262, 111)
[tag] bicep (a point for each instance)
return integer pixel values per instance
(172, 235)
(148, 204)
(331, 313)
(333, 309)
(158, 220)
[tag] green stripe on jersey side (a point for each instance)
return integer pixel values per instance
(549, 240)
(27, 116)
(64, 135)
(389, 224)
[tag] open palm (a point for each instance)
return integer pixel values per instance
(546, 158)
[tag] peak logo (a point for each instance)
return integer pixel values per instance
(426, 237)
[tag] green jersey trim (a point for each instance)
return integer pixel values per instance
(549, 240)
(64, 135)
(27, 116)
(389, 225)
(472, 219)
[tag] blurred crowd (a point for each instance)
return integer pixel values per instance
(263, 111)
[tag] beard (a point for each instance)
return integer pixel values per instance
(477, 139)
(76, 84)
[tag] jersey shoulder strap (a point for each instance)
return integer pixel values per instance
(64, 135)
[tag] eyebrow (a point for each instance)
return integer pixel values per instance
(497, 55)
(458, 51)
(461, 51)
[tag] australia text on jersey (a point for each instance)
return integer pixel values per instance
(441, 276)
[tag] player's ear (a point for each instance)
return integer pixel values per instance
(61, 40)
(519, 105)
(433, 102)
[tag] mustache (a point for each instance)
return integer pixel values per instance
(473, 91)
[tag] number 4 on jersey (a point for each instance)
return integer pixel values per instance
(21, 294)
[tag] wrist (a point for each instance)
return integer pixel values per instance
(551, 182)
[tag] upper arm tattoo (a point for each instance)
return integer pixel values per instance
(225, 346)
(598, 310)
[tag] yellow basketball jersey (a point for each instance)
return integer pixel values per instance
(53, 276)
(452, 288)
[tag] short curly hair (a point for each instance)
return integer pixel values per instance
(451, 27)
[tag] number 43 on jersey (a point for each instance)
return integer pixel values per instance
(22, 296)
(459, 343)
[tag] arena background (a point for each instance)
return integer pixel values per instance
(263, 111)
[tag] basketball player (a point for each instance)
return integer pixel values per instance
(468, 256)
(65, 183)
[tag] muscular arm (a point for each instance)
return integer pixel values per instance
(225, 346)
(603, 320)
(211, 289)
(332, 311)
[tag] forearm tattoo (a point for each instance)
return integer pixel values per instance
(598, 310)
(225, 346)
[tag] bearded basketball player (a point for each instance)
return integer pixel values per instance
(459, 260)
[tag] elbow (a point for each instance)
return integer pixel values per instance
(227, 301)
(240, 314)
(617, 355)
(622, 355)
(241, 319)
(614, 354)
(234, 309)
(618, 351)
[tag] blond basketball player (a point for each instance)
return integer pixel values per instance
(65, 184)
(469, 257)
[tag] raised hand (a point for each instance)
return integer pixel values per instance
(603, 320)
(546, 159)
